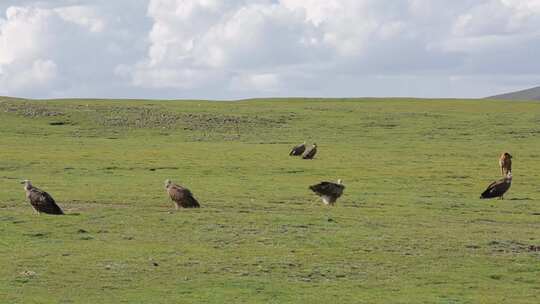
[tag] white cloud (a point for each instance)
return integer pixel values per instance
(36, 76)
(13, 44)
(194, 43)
(83, 16)
(46, 50)
(495, 17)
(242, 48)
(23, 43)
(43, 71)
(266, 83)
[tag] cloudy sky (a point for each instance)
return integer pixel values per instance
(238, 48)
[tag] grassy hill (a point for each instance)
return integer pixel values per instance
(528, 94)
(409, 229)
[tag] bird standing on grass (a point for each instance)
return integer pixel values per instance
(181, 196)
(298, 150)
(505, 162)
(310, 153)
(41, 200)
(498, 188)
(328, 191)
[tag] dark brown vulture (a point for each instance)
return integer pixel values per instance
(40, 200)
(328, 191)
(498, 188)
(298, 150)
(310, 153)
(505, 162)
(181, 196)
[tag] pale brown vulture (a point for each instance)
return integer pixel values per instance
(298, 150)
(505, 162)
(181, 196)
(310, 153)
(328, 191)
(498, 188)
(40, 200)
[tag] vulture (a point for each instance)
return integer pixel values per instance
(298, 150)
(310, 153)
(40, 200)
(505, 162)
(328, 191)
(181, 196)
(498, 188)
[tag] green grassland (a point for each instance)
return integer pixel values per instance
(409, 228)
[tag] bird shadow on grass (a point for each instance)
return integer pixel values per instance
(520, 199)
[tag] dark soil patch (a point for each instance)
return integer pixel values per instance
(59, 123)
(534, 248)
(382, 125)
(37, 235)
(512, 247)
(163, 168)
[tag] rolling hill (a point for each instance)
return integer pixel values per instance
(528, 94)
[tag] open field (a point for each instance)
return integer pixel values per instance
(409, 229)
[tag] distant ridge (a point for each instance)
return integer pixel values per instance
(528, 94)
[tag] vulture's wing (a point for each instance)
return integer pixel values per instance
(496, 189)
(176, 193)
(310, 153)
(43, 202)
(190, 200)
(493, 184)
(298, 150)
(182, 196)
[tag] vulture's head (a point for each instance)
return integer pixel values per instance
(507, 155)
(167, 183)
(314, 144)
(340, 182)
(509, 175)
(26, 183)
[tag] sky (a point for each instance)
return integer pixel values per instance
(234, 49)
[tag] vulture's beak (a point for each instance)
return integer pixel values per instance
(22, 182)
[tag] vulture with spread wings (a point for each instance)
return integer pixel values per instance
(328, 191)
